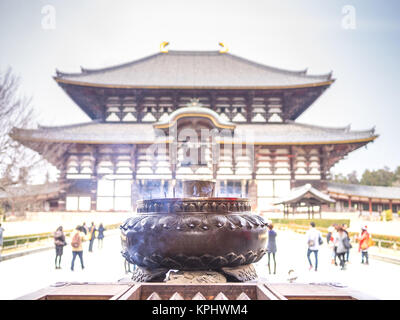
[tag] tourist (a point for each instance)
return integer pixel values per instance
(1, 239)
(271, 247)
(331, 243)
(341, 246)
(364, 243)
(77, 238)
(59, 242)
(348, 242)
(100, 235)
(92, 236)
(329, 234)
(334, 247)
(314, 240)
(84, 228)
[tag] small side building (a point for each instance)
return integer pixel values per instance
(43, 197)
(304, 199)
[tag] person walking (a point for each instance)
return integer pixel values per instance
(1, 239)
(59, 242)
(84, 228)
(271, 247)
(334, 246)
(349, 246)
(77, 238)
(100, 235)
(92, 236)
(329, 234)
(314, 240)
(364, 244)
(341, 242)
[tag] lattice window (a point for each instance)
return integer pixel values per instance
(231, 188)
(114, 195)
(78, 203)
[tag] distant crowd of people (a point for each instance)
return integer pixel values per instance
(78, 236)
(337, 238)
(340, 243)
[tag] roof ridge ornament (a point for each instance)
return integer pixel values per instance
(163, 46)
(224, 48)
(194, 102)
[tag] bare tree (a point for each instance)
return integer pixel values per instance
(16, 161)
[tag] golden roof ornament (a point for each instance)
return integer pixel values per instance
(224, 48)
(163, 46)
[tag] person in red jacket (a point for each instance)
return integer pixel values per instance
(364, 244)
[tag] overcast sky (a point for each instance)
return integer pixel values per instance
(319, 35)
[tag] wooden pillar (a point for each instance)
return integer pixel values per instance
(370, 205)
(292, 167)
(249, 104)
(139, 105)
(324, 154)
(253, 194)
(173, 161)
(135, 192)
(243, 188)
(162, 195)
(391, 205)
(63, 193)
(94, 180)
(349, 203)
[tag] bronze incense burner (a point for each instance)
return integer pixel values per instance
(200, 232)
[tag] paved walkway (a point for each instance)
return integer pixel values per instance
(32, 272)
(379, 279)
(29, 273)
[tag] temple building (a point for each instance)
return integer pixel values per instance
(360, 198)
(156, 99)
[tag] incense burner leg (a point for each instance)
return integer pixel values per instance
(240, 273)
(146, 275)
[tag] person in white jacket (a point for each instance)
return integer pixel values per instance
(314, 239)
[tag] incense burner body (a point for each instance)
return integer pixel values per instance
(193, 234)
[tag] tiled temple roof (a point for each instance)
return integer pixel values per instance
(39, 190)
(299, 133)
(194, 69)
(365, 191)
(296, 194)
(130, 133)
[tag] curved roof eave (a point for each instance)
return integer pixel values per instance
(258, 75)
(98, 85)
